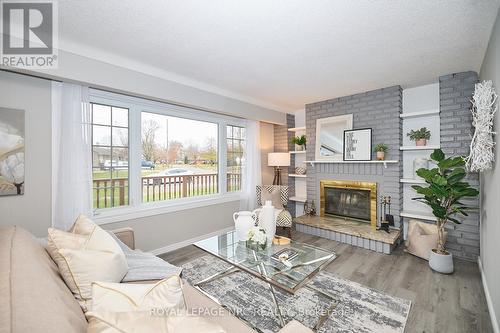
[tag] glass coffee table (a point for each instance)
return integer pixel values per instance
(289, 275)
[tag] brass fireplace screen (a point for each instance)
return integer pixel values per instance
(349, 199)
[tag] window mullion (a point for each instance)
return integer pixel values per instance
(222, 157)
(135, 156)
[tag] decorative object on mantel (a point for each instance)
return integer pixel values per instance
(309, 208)
(381, 149)
(312, 210)
(420, 136)
(300, 171)
(446, 186)
(358, 144)
(329, 137)
(483, 111)
(300, 141)
(278, 160)
(419, 163)
(11, 152)
(306, 208)
(243, 222)
(386, 219)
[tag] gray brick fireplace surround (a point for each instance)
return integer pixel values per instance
(379, 109)
(455, 93)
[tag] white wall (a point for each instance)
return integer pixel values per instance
(101, 75)
(32, 210)
(155, 232)
(490, 191)
(266, 146)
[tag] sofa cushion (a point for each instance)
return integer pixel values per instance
(33, 296)
(74, 254)
(122, 297)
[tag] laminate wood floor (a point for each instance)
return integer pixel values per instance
(440, 303)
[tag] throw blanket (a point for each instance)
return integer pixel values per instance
(144, 265)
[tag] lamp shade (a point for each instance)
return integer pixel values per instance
(278, 159)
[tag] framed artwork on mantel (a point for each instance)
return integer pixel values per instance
(358, 144)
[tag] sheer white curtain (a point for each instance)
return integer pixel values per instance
(71, 154)
(252, 167)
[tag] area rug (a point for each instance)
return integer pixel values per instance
(358, 308)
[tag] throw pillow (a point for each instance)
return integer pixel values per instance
(123, 297)
(58, 239)
(98, 238)
(145, 322)
(85, 235)
(87, 266)
(274, 196)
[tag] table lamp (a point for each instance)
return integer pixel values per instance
(278, 160)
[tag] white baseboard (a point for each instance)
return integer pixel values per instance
(187, 242)
(491, 310)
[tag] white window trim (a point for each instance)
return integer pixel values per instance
(136, 208)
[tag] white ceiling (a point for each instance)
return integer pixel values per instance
(283, 53)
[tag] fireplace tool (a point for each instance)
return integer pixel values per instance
(386, 219)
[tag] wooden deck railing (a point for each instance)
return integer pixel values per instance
(114, 192)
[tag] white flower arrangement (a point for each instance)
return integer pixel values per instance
(256, 237)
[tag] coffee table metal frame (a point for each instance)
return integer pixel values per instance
(262, 274)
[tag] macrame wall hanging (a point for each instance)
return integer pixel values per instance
(483, 110)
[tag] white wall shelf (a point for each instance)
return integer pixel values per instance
(297, 129)
(411, 181)
(420, 109)
(418, 215)
(353, 162)
(419, 147)
(297, 151)
(296, 176)
(298, 199)
(419, 114)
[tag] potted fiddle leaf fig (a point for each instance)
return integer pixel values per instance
(444, 191)
(420, 136)
(300, 141)
(381, 149)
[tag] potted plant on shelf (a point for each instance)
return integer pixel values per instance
(420, 136)
(300, 141)
(443, 194)
(381, 149)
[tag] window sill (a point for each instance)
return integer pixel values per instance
(120, 214)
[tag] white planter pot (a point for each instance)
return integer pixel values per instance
(441, 263)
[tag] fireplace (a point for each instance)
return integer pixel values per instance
(350, 200)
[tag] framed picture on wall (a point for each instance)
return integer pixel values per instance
(358, 144)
